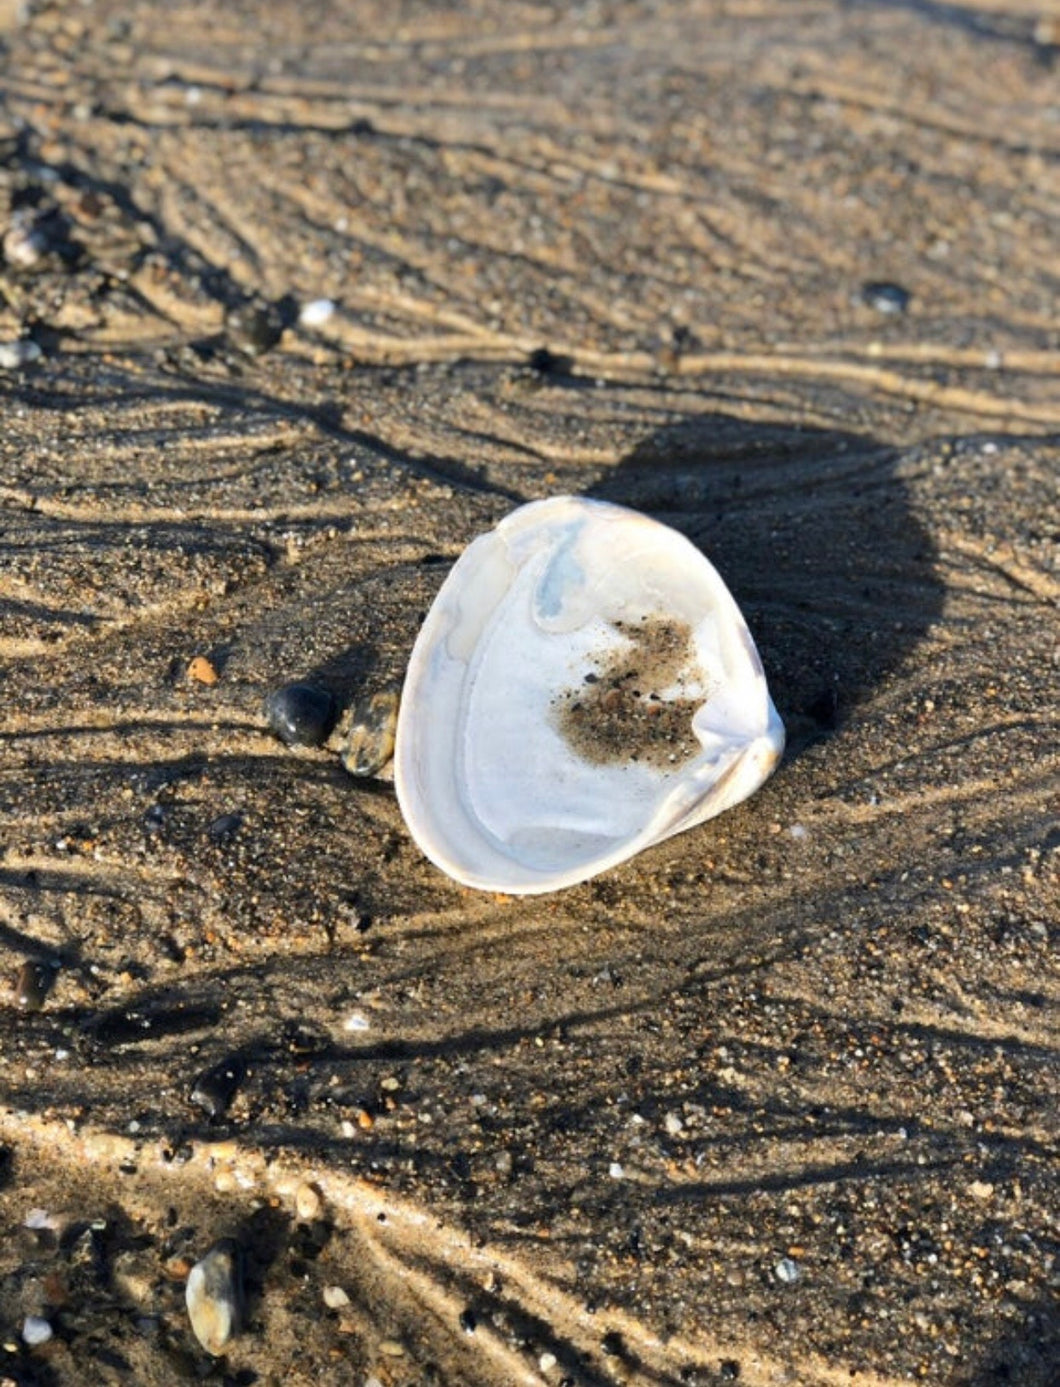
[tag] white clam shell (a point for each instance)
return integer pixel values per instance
(583, 686)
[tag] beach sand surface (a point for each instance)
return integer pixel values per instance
(776, 1102)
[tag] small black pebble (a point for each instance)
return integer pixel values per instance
(254, 327)
(544, 361)
(34, 983)
(884, 297)
(730, 1370)
(224, 828)
(468, 1322)
(300, 714)
(215, 1088)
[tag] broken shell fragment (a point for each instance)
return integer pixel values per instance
(370, 744)
(214, 1296)
(584, 686)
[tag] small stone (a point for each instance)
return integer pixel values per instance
(34, 983)
(548, 363)
(502, 1164)
(202, 671)
(980, 1189)
(335, 1298)
(390, 1348)
(35, 1330)
(673, 1125)
(370, 744)
(300, 714)
(254, 327)
(26, 243)
(214, 1296)
(616, 1171)
(316, 313)
(885, 297)
(224, 828)
(215, 1088)
(547, 1362)
(15, 355)
(787, 1271)
(308, 1203)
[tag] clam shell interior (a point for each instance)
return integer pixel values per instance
(583, 686)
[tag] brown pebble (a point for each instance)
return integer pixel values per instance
(33, 985)
(202, 671)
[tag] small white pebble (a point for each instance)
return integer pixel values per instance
(307, 1202)
(316, 313)
(980, 1189)
(992, 361)
(799, 831)
(547, 1362)
(356, 1021)
(673, 1124)
(347, 1128)
(35, 1330)
(20, 353)
(787, 1271)
(615, 1171)
(335, 1297)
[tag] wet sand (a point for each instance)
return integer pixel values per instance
(775, 1102)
